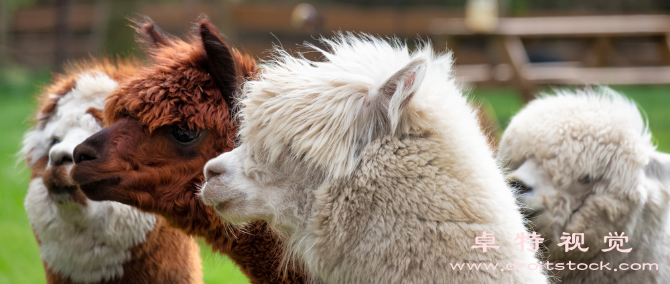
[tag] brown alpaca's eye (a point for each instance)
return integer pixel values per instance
(184, 135)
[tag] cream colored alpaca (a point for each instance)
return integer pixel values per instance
(584, 163)
(81, 240)
(373, 165)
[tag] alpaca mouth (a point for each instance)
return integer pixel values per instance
(58, 181)
(97, 190)
(222, 206)
(67, 194)
(63, 189)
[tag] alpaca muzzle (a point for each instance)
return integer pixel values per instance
(60, 185)
(85, 157)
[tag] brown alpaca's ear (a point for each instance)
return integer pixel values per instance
(221, 62)
(149, 34)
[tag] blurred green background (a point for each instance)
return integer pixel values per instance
(38, 37)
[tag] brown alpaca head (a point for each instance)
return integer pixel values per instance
(164, 123)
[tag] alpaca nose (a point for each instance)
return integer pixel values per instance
(84, 152)
(212, 171)
(60, 156)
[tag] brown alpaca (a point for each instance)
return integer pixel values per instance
(86, 241)
(166, 121)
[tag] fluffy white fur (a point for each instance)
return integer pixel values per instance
(373, 165)
(87, 243)
(587, 165)
(70, 117)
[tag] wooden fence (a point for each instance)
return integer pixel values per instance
(96, 29)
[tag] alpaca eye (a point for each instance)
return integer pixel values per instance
(519, 186)
(54, 141)
(184, 135)
(585, 179)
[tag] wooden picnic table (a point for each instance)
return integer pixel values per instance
(509, 32)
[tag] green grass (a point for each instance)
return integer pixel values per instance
(653, 100)
(19, 255)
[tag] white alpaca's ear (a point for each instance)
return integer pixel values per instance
(399, 89)
(658, 167)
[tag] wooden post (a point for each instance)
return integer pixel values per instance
(515, 55)
(226, 20)
(599, 53)
(119, 36)
(62, 33)
(100, 25)
(190, 13)
(442, 43)
(4, 31)
(664, 47)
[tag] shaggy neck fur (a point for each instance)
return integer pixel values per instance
(408, 178)
(75, 240)
(597, 141)
(85, 241)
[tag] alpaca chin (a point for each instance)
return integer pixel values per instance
(231, 205)
(100, 190)
(61, 187)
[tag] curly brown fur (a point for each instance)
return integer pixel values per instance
(189, 85)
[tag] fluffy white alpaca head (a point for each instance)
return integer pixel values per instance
(578, 161)
(70, 122)
(305, 123)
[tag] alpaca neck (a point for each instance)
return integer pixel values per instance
(404, 216)
(85, 242)
(649, 226)
(645, 225)
(254, 249)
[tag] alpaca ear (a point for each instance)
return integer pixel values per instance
(222, 64)
(150, 34)
(658, 167)
(399, 89)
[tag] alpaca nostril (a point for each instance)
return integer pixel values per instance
(63, 160)
(211, 174)
(83, 157)
(83, 153)
(60, 155)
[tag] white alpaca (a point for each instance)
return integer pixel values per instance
(373, 164)
(85, 241)
(584, 163)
